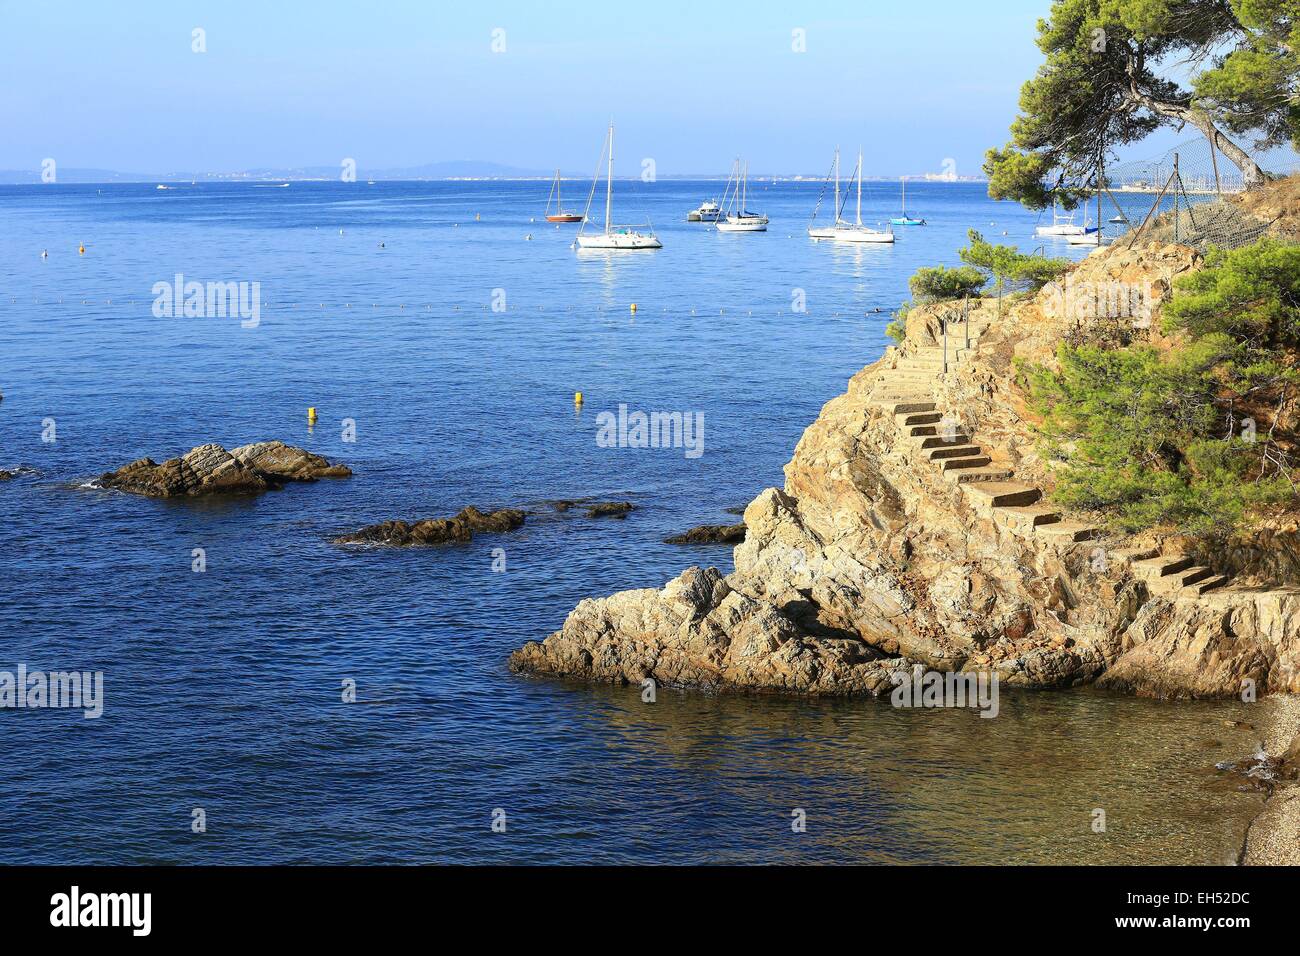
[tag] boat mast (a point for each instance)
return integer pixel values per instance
(559, 203)
(744, 187)
(904, 197)
(837, 185)
(859, 185)
(609, 179)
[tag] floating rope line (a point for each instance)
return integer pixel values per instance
(272, 306)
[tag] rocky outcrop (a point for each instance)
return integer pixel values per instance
(710, 534)
(210, 470)
(698, 631)
(459, 528)
(879, 552)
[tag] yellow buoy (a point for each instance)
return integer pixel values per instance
(633, 306)
(577, 398)
(81, 249)
(311, 415)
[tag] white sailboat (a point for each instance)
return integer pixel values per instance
(738, 219)
(1064, 225)
(825, 232)
(856, 231)
(613, 236)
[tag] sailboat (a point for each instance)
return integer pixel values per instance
(613, 237)
(739, 219)
(825, 232)
(905, 219)
(1064, 225)
(856, 231)
(560, 214)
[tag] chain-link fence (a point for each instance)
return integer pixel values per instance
(1193, 195)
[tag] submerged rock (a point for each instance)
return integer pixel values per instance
(460, 528)
(710, 534)
(594, 509)
(5, 475)
(610, 509)
(210, 469)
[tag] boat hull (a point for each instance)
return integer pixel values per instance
(855, 235)
(1064, 231)
(619, 240)
(902, 221)
(742, 225)
(565, 217)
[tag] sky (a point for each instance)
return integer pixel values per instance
(392, 84)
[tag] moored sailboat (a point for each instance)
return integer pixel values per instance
(613, 236)
(560, 214)
(904, 219)
(738, 219)
(855, 231)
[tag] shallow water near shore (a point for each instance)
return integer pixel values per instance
(223, 688)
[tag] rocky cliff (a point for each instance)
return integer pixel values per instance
(913, 528)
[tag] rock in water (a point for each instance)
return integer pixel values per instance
(460, 528)
(710, 534)
(610, 509)
(210, 469)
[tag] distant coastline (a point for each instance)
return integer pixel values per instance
(435, 172)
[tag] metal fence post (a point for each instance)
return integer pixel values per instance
(945, 345)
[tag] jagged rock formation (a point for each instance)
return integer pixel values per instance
(460, 528)
(210, 469)
(912, 529)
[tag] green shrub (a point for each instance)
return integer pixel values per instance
(897, 329)
(1139, 431)
(941, 285)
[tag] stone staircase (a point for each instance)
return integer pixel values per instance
(908, 392)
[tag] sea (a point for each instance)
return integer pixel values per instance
(270, 697)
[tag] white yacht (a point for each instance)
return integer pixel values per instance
(854, 231)
(613, 236)
(709, 211)
(739, 219)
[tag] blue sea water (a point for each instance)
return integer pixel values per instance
(223, 689)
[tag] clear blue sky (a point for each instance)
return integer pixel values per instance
(691, 84)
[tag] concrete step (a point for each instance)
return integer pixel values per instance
(1162, 566)
(1005, 494)
(964, 475)
(953, 451)
(934, 440)
(1027, 517)
(920, 418)
(1206, 584)
(1068, 531)
(1182, 579)
(1135, 554)
(970, 461)
(901, 405)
